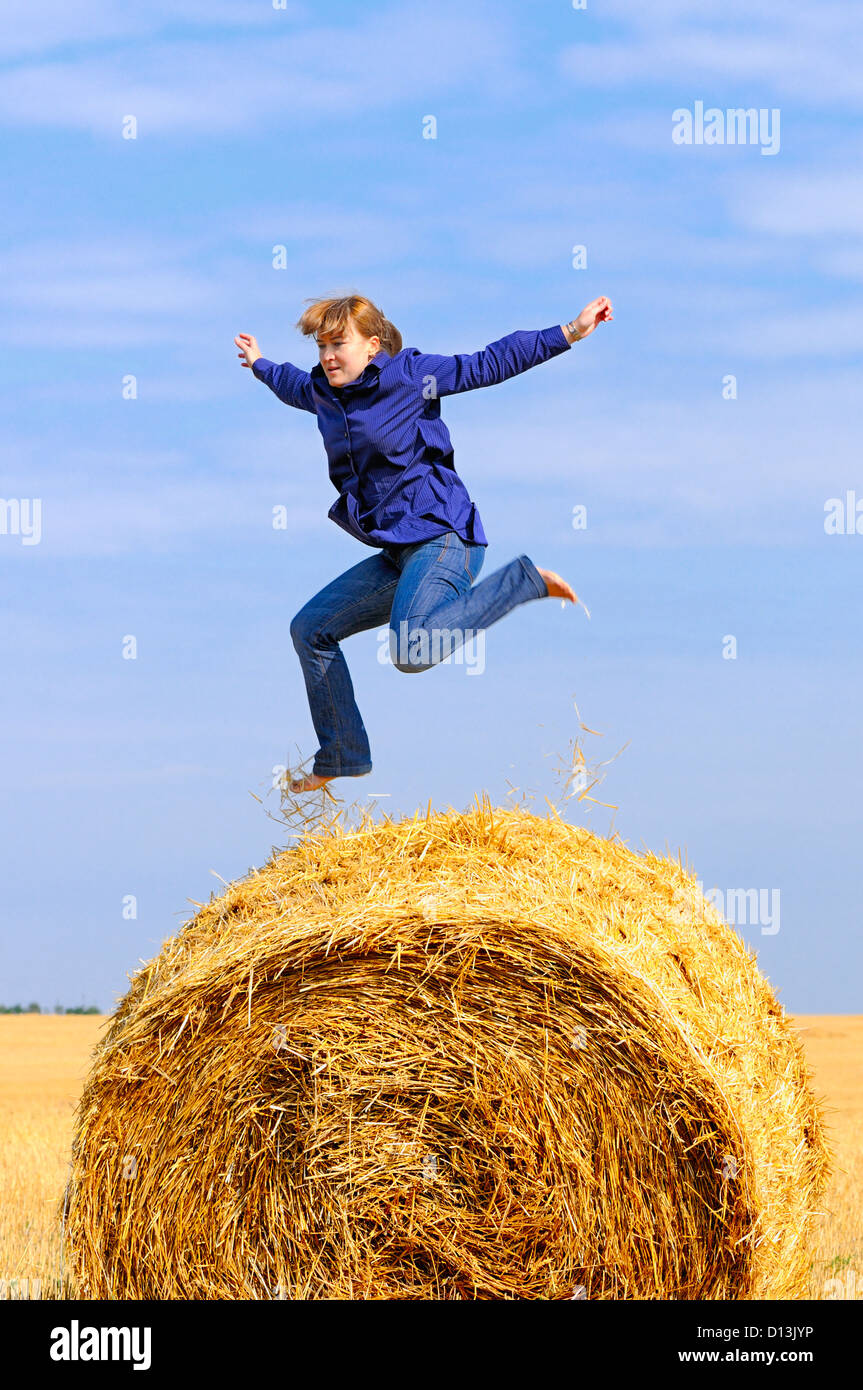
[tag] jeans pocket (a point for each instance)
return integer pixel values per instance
(473, 558)
(445, 547)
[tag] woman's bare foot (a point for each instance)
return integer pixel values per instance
(308, 784)
(557, 587)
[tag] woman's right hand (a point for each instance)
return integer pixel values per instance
(249, 350)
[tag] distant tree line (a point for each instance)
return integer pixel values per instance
(36, 1009)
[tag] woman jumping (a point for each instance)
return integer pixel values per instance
(391, 460)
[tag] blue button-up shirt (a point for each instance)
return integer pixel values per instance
(389, 452)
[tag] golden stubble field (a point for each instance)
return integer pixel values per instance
(44, 1059)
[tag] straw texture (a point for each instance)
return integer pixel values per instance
(465, 1055)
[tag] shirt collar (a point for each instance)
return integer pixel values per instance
(365, 375)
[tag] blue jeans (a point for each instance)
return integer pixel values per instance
(420, 589)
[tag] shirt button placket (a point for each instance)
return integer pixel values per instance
(347, 435)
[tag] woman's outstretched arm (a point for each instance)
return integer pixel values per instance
(292, 385)
(506, 357)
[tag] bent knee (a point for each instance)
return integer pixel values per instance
(409, 647)
(412, 667)
(303, 628)
(407, 659)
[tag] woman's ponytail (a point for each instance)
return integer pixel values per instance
(391, 338)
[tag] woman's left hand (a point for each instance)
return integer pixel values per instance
(599, 311)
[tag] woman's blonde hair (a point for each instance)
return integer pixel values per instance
(328, 316)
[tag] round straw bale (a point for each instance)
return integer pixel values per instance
(465, 1055)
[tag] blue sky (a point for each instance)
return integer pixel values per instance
(302, 127)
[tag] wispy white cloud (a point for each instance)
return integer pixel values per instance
(117, 776)
(818, 212)
(108, 290)
(128, 288)
(29, 29)
(165, 517)
(807, 52)
(322, 75)
(803, 203)
(108, 502)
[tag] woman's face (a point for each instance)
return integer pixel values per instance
(344, 356)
